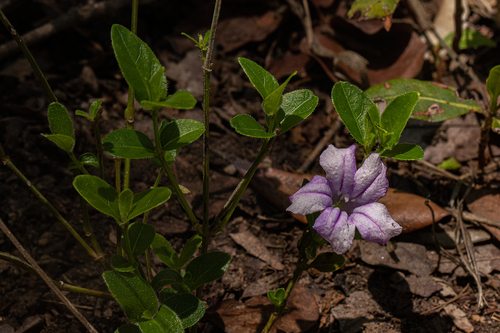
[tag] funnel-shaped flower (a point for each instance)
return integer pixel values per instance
(347, 198)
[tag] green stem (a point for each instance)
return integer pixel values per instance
(161, 156)
(29, 57)
(77, 163)
(61, 285)
(128, 250)
(119, 249)
(98, 143)
(301, 266)
(7, 161)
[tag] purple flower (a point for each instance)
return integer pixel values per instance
(347, 198)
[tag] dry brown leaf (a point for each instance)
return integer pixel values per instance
(459, 318)
(486, 203)
(255, 247)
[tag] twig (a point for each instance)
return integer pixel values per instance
(440, 307)
(475, 218)
(45, 278)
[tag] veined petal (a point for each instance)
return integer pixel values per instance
(370, 181)
(374, 223)
(333, 225)
(312, 197)
(340, 168)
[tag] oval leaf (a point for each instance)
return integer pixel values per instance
(187, 306)
(139, 65)
(328, 262)
(135, 295)
(493, 85)
(206, 268)
(124, 203)
(165, 321)
(166, 277)
(179, 133)
(98, 194)
(64, 142)
(164, 251)
(189, 249)
(272, 103)
(245, 124)
(296, 106)
(264, 82)
(436, 103)
(94, 108)
(404, 152)
(86, 159)
(141, 236)
(129, 328)
(148, 200)
(127, 143)
(395, 117)
(121, 264)
(182, 99)
(59, 120)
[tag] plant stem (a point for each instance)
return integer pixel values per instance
(128, 250)
(77, 163)
(485, 133)
(161, 156)
(29, 57)
(98, 143)
(59, 284)
(7, 161)
(119, 249)
(301, 265)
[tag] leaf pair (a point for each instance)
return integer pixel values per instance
(363, 120)
(282, 111)
(122, 207)
(61, 127)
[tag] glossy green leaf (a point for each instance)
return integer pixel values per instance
(139, 65)
(129, 328)
(64, 142)
(206, 268)
(98, 194)
(166, 277)
(148, 200)
(449, 164)
(404, 152)
(141, 237)
(470, 39)
(352, 105)
(125, 203)
(121, 264)
(264, 82)
(60, 121)
(493, 86)
(272, 103)
(165, 321)
(395, 117)
(295, 107)
(85, 159)
(436, 103)
(127, 143)
(94, 108)
(182, 99)
(164, 251)
(135, 295)
(181, 132)
(187, 306)
(189, 249)
(246, 125)
(373, 9)
(328, 262)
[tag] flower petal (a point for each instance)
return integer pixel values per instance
(370, 181)
(312, 197)
(374, 223)
(340, 168)
(333, 226)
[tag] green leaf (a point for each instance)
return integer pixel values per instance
(64, 142)
(128, 328)
(328, 262)
(182, 99)
(395, 117)
(164, 251)
(98, 194)
(85, 159)
(148, 200)
(470, 39)
(272, 103)
(493, 86)
(187, 306)
(139, 65)
(373, 9)
(372, 128)
(141, 236)
(94, 108)
(189, 250)
(264, 82)
(450, 164)
(127, 143)
(404, 152)
(352, 105)
(206, 268)
(246, 125)
(169, 157)
(166, 277)
(295, 107)
(135, 295)
(276, 297)
(179, 133)
(59, 120)
(165, 321)
(83, 114)
(121, 264)
(124, 203)
(495, 125)
(436, 103)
